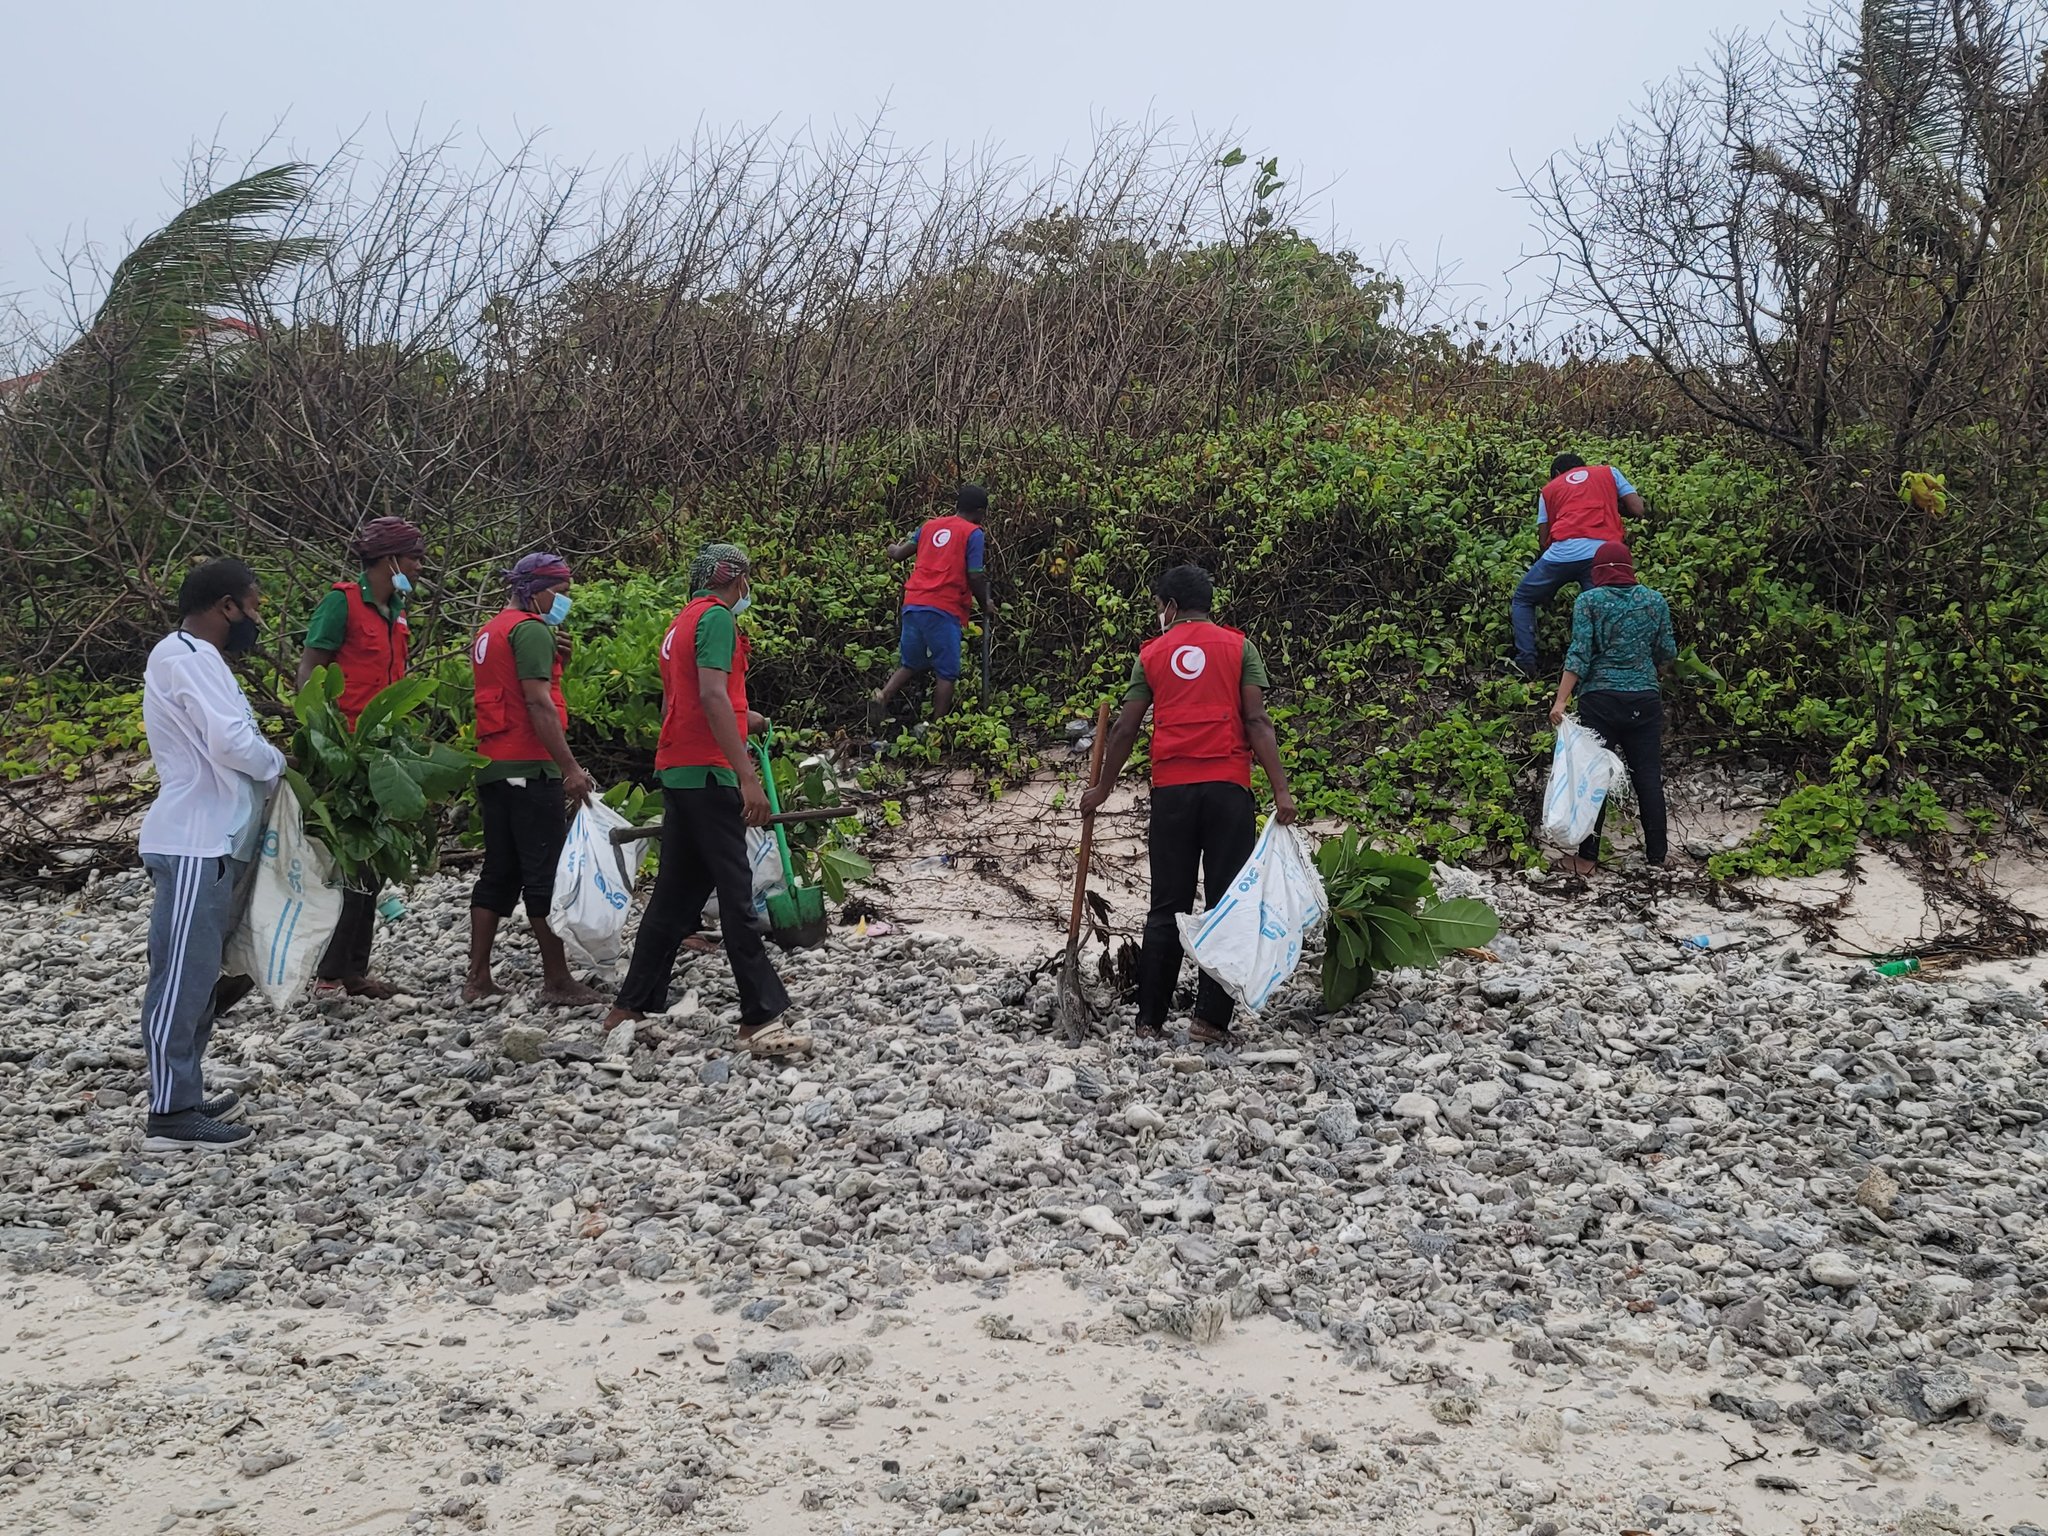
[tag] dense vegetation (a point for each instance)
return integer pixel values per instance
(1371, 555)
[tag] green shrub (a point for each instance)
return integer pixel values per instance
(1383, 914)
(1815, 829)
(371, 792)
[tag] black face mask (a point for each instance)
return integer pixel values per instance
(241, 636)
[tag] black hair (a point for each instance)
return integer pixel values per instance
(971, 498)
(205, 585)
(1564, 463)
(1187, 587)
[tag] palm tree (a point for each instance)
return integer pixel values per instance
(108, 401)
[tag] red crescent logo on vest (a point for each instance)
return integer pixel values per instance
(942, 538)
(1189, 662)
(1578, 477)
(668, 642)
(483, 643)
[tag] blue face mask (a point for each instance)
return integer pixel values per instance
(743, 605)
(401, 583)
(558, 610)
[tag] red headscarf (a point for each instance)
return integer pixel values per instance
(382, 537)
(1613, 565)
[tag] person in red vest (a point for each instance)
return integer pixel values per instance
(532, 779)
(949, 578)
(1205, 686)
(361, 626)
(710, 796)
(1578, 511)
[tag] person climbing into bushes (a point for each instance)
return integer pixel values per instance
(360, 625)
(1621, 645)
(1577, 511)
(532, 781)
(1204, 685)
(949, 577)
(710, 794)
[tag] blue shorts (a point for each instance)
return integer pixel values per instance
(931, 642)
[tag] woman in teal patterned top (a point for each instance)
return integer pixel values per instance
(1621, 644)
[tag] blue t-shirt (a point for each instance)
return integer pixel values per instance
(1567, 551)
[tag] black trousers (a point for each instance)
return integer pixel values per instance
(703, 849)
(1206, 829)
(348, 952)
(1633, 725)
(525, 826)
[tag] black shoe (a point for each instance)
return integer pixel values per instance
(1525, 671)
(223, 1104)
(230, 990)
(191, 1131)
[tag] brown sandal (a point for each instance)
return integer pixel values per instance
(1200, 1032)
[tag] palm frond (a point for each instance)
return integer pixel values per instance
(106, 393)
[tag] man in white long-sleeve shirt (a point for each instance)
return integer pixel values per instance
(215, 771)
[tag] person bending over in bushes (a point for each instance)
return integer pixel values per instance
(710, 795)
(1621, 644)
(950, 576)
(199, 838)
(1204, 685)
(524, 794)
(360, 626)
(1579, 509)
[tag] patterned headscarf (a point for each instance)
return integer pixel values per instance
(536, 573)
(1613, 565)
(718, 565)
(382, 537)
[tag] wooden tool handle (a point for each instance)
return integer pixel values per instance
(1087, 828)
(624, 835)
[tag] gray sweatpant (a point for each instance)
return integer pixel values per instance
(194, 911)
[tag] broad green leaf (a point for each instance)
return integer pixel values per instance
(314, 703)
(1689, 666)
(397, 795)
(1463, 922)
(335, 759)
(396, 702)
(849, 865)
(1343, 983)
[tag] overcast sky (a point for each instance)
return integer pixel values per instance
(1410, 116)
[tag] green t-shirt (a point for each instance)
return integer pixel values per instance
(718, 641)
(533, 656)
(327, 629)
(1620, 637)
(1140, 691)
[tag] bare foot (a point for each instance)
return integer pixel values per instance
(570, 994)
(368, 986)
(475, 991)
(1572, 864)
(698, 944)
(620, 1016)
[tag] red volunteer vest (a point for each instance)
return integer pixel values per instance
(1583, 504)
(686, 739)
(504, 729)
(1196, 672)
(372, 655)
(939, 578)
